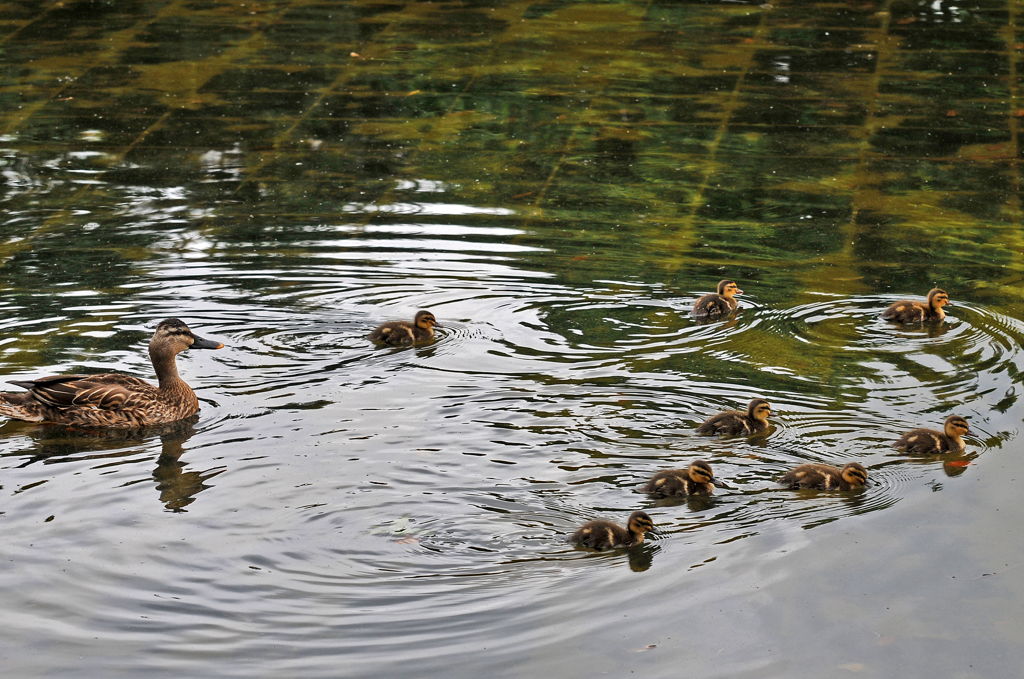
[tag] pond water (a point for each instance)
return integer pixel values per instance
(557, 181)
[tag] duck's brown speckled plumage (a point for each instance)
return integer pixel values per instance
(935, 442)
(720, 303)
(403, 332)
(826, 477)
(697, 479)
(908, 311)
(735, 423)
(110, 399)
(607, 535)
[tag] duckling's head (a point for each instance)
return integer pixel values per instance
(854, 474)
(956, 426)
(639, 523)
(938, 298)
(172, 334)
(728, 288)
(425, 320)
(700, 471)
(759, 409)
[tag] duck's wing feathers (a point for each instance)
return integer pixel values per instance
(107, 391)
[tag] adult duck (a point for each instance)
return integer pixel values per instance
(114, 400)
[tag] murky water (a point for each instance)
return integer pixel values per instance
(557, 182)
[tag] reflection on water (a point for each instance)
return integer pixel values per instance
(557, 182)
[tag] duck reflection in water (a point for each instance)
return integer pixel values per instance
(54, 444)
(177, 487)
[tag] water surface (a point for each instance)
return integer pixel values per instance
(557, 182)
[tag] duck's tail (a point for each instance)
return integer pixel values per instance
(20, 406)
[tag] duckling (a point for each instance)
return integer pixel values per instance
(607, 535)
(734, 422)
(935, 442)
(698, 479)
(826, 477)
(404, 332)
(720, 303)
(908, 311)
(110, 399)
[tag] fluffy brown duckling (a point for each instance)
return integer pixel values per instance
(908, 311)
(826, 477)
(404, 332)
(697, 479)
(734, 422)
(607, 535)
(114, 400)
(720, 303)
(932, 441)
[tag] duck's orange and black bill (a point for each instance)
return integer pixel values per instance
(203, 343)
(718, 483)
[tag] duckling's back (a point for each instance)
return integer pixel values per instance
(394, 332)
(730, 423)
(600, 535)
(713, 305)
(925, 441)
(812, 476)
(676, 482)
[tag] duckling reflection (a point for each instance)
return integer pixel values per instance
(908, 311)
(602, 535)
(642, 556)
(735, 423)
(397, 333)
(935, 442)
(697, 479)
(953, 464)
(720, 303)
(826, 477)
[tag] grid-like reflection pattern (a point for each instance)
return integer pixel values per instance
(877, 140)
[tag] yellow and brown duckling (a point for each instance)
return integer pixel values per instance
(735, 423)
(908, 311)
(932, 441)
(720, 303)
(607, 535)
(697, 479)
(111, 399)
(826, 477)
(403, 332)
